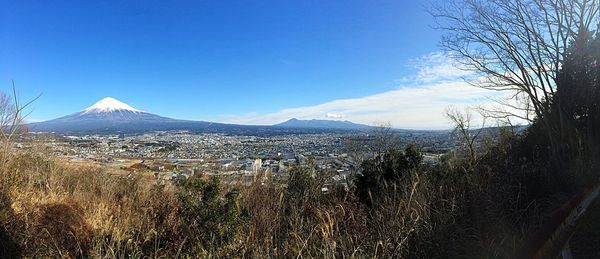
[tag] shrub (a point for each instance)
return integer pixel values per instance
(210, 221)
(388, 168)
(64, 226)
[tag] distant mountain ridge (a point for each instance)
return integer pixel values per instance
(110, 115)
(322, 124)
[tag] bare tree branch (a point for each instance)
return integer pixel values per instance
(515, 45)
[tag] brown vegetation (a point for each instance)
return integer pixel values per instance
(61, 211)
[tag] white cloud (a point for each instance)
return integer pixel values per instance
(419, 102)
(330, 115)
(413, 107)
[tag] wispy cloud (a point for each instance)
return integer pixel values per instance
(436, 67)
(418, 102)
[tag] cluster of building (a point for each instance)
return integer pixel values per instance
(174, 155)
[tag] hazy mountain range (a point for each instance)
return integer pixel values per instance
(322, 124)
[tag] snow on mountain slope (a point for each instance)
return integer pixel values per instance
(110, 104)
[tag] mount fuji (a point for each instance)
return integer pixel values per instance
(112, 115)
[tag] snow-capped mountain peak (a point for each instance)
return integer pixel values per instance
(110, 104)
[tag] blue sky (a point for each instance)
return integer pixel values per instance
(245, 62)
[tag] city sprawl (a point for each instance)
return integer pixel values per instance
(168, 156)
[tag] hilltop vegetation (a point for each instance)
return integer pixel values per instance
(400, 207)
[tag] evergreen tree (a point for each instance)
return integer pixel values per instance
(577, 98)
(388, 168)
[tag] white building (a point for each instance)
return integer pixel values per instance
(257, 165)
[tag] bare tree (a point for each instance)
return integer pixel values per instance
(379, 140)
(384, 139)
(12, 123)
(12, 115)
(516, 46)
(357, 148)
(464, 131)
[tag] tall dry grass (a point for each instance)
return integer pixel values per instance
(54, 209)
(58, 210)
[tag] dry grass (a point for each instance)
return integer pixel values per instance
(58, 210)
(52, 209)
